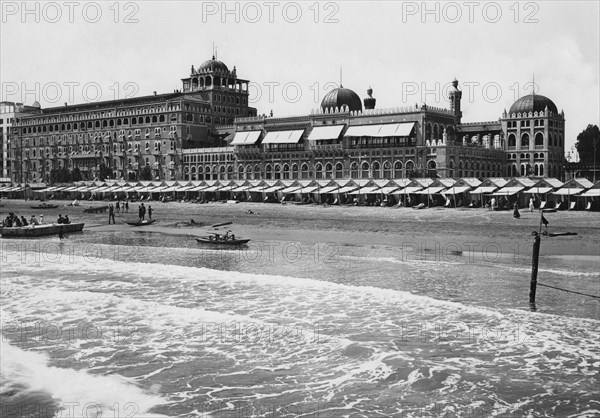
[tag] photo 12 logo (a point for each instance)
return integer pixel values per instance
(469, 11)
(269, 12)
(69, 12)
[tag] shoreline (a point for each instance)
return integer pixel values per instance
(459, 229)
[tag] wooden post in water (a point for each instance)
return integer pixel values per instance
(534, 270)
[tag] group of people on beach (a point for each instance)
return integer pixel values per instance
(14, 221)
(125, 207)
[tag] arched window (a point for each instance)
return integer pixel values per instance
(410, 168)
(277, 172)
(339, 171)
(364, 170)
(295, 173)
(286, 171)
(525, 141)
(431, 168)
(387, 170)
(539, 139)
(512, 140)
(319, 171)
(328, 170)
(376, 170)
(304, 173)
(398, 170)
(354, 170)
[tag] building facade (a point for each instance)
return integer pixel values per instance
(117, 139)
(207, 131)
(9, 113)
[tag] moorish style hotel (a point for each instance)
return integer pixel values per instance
(208, 131)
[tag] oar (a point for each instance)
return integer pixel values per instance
(223, 224)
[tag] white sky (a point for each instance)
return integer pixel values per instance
(395, 47)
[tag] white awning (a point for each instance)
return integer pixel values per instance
(388, 189)
(211, 189)
(431, 190)
(484, 189)
(257, 189)
(227, 188)
(273, 189)
(367, 190)
(246, 138)
(283, 137)
(538, 190)
(568, 191)
(389, 129)
(241, 188)
(456, 190)
(508, 191)
(592, 193)
(408, 190)
(325, 132)
(292, 189)
(308, 189)
(329, 189)
(348, 189)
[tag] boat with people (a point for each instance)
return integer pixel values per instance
(221, 239)
(44, 206)
(142, 223)
(41, 230)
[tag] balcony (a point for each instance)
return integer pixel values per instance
(326, 147)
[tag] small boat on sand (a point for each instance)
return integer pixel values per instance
(142, 223)
(97, 209)
(40, 230)
(44, 206)
(221, 240)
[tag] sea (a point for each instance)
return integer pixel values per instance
(142, 324)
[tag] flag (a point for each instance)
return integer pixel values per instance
(545, 221)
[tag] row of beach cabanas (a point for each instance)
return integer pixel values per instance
(408, 192)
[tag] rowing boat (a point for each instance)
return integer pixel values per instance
(40, 230)
(142, 223)
(44, 206)
(221, 241)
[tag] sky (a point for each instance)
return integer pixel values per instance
(294, 52)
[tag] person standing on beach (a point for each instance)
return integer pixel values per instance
(140, 212)
(149, 212)
(111, 213)
(531, 205)
(118, 206)
(42, 219)
(127, 206)
(516, 213)
(143, 212)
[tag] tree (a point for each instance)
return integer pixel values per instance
(76, 174)
(146, 173)
(60, 175)
(588, 144)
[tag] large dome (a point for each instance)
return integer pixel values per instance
(213, 65)
(532, 103)
(341, 97)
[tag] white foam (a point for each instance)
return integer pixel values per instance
(111, 395)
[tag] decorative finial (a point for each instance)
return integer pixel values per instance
(341, 86)
(533, 86)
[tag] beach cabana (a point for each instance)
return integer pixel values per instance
(567, 194)
(540, 190)
(592, 197)
(456, 192)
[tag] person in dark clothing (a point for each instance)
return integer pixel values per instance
(140, 214)
(126, 206)
(67, 220)
(143, 208)
(516, 213)
(111, 213)
(18, 222)
(24, 221)
(60, 219)
(118, 206)
(149, 212)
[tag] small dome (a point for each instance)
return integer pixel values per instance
(532, 103)
(36, 104)
(213, 65)
(340, 97)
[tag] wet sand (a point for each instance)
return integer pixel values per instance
(461, 229)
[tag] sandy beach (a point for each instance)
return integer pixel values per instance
(460, 229)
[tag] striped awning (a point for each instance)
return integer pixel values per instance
(273, 189)
(456, 190)
(408, 190)
(386, 130)
(348, 189)
(388, 189)
(366, 190)
(329, 189)
(431, 190)
(538, 190)
(484, 189)
(246, 138)
(568, 191)
(325, 132)
(592, 193)
(292, 189)
(309, 189)
(283, 137)
(508, 191)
